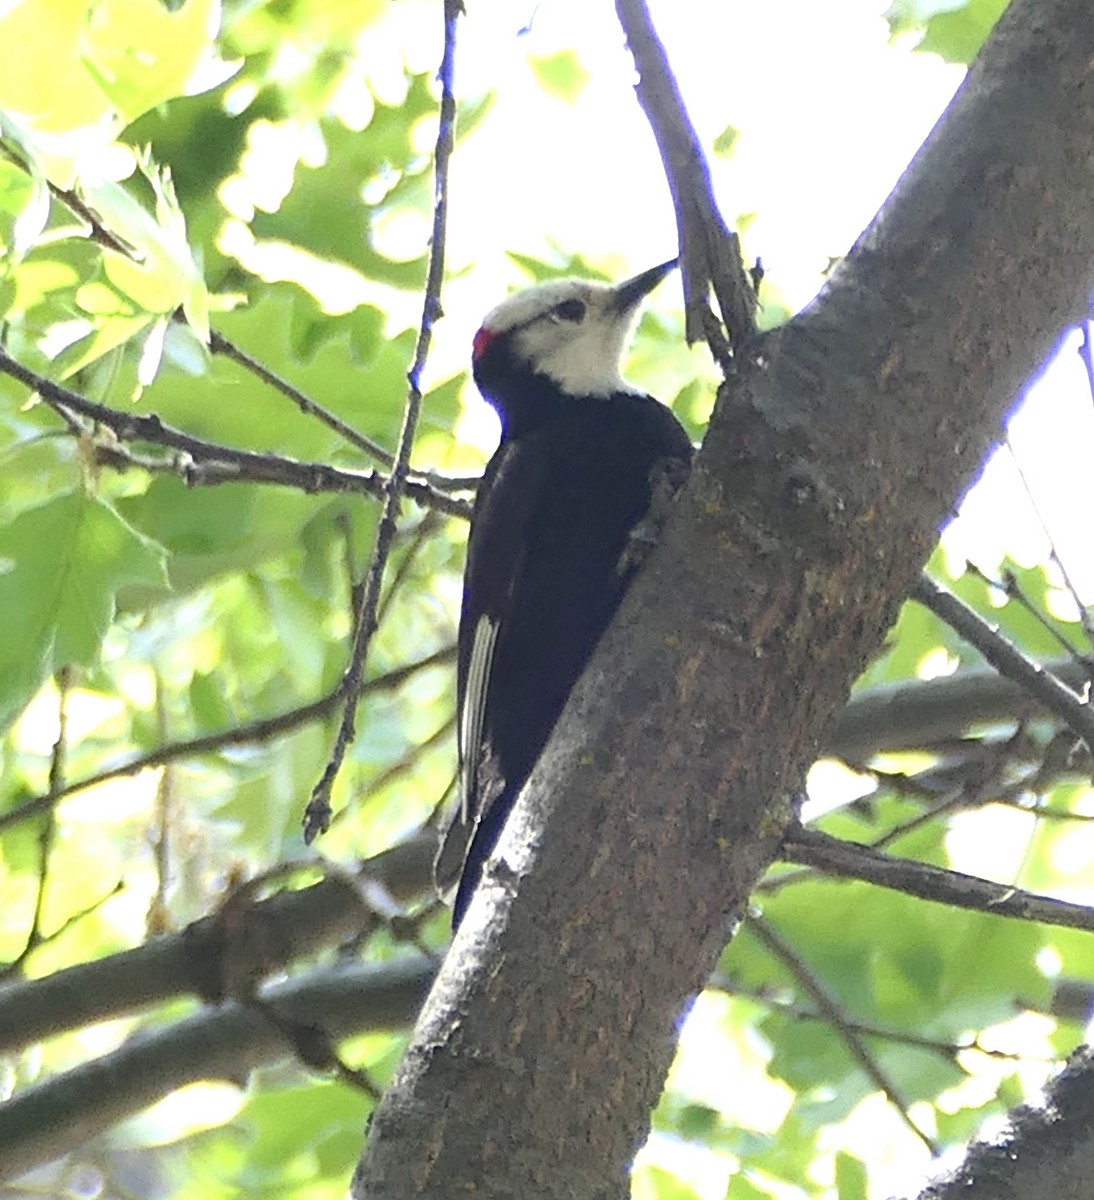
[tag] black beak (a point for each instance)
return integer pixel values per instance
(630, 292)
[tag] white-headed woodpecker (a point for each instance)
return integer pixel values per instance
(568, 505)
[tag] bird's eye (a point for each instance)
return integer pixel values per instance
(570, 310)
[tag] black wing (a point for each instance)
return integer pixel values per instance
(561, 523)
(496, 553)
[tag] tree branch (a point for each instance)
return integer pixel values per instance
(318, 812)
(850, 861)
(203, 463)
(260, 730)
(219, 344)
(1007, 659)
(1046, 1152)
(710, 253)
(923, 712)
(832, 1013)
(266, 937)
(224, 1043)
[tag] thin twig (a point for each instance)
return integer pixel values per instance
(58, 757)
(269, 937)
(219, 344)
(156, 921)
(1007, 659)
(427, 490)
(950, 1051)
(313, 1046)
(1013, 590)
(954, 801)
(46, 838)
(833, 1013)
(976, 778)
(851, 861)
(1043, 813)
(400, 767)
(1085, 618)
(421, 536)
(449, 483)
(318, 812)
(252, 731)
(70, 922)
(422, 481)
(1086, 354)
(97, 232)
(200, 462)
(48, 832)
(710, 253)
(310, 1041)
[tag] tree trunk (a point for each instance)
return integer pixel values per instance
(1045, 1153)
(835, 453)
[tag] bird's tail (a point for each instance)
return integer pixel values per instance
(465, 846)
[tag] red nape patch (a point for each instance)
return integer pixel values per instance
(481, 342)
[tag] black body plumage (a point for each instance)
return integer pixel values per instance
(561, 523)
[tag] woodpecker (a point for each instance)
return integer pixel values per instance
(568, 506)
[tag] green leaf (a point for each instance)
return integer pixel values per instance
(45, 281)
(24, 209)
(958, 35)
(991, 968)
(142, 52)
(210, 532)
(312, 329)
(961, 1126)
(36, 462)
(540, 269)
(725, 141)
(955, 29)
(207, 702)
(64, 564)
(741, 1187)
(1011, 1092)
(808, 1054)
(903, 15)
(295, 1123)
(163, 274)
(325, 213)
(172, 131)
(851, 1177)
(41, 44)
(663, 1185)
(560, 75)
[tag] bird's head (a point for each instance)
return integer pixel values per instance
(569, 331)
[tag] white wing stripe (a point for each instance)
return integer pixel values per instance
(474, 708)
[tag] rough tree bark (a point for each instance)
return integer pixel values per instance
(836, 451)
(1045, 1153)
